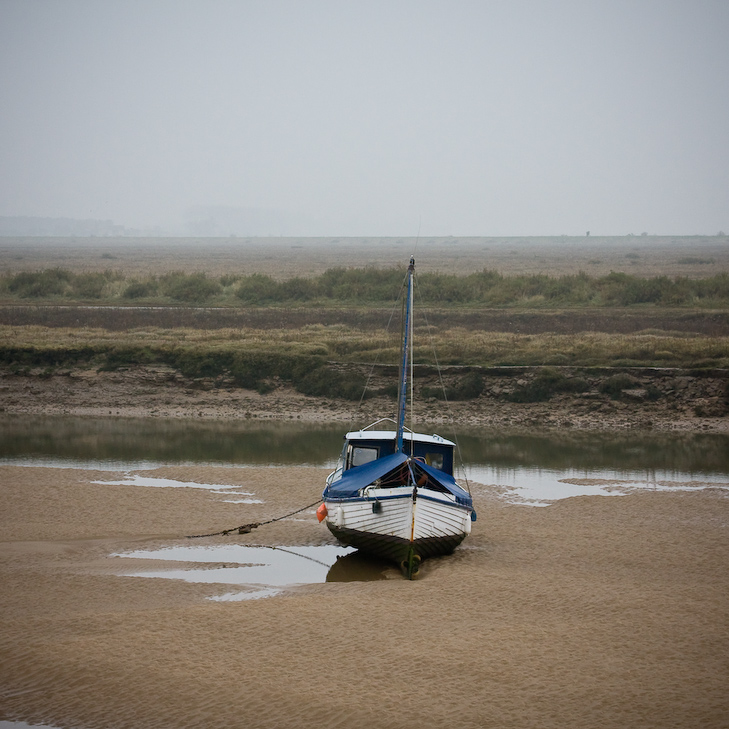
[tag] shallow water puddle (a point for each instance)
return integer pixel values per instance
(526, 486)
(137, 480)
(542, 487)
(263, 570)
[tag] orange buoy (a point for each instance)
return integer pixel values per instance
(321, 512)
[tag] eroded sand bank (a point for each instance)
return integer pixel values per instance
(158, 392)
(596, 611)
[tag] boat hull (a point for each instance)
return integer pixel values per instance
(396, 549)
(400, 528)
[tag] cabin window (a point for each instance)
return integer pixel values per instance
(435, 460)
(361, 455)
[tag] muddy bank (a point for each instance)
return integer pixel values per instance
(597, 611)
(657, 399)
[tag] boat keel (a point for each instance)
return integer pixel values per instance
(411, 566)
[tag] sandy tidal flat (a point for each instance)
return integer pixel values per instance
(593, 612)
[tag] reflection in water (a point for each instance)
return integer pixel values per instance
(146, 441)
(127, 441)
(260, 569)
(358, 567)
(595, 451)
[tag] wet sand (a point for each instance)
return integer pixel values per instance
(593, 612)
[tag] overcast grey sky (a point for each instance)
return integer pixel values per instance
(518, 117)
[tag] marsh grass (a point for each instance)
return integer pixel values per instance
(287, 353)
(369, 285)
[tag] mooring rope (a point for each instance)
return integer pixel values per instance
(246, 528)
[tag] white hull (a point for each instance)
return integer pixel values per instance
(431, 524)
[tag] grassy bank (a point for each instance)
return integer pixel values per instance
(255, 332)
(454, 346)
(313, 358)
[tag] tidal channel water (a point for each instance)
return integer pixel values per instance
(529, 466)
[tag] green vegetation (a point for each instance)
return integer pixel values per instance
(615, 385)
(468, 387)
(325, 381)
(204, 353)
(253, 368)
(546, 384)
(59, 283)
(355, 286)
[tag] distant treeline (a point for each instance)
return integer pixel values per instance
(354, 286)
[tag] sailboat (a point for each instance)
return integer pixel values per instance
(393, 493)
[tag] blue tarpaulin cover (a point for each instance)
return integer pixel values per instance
(361, 476)
(445, 480)
(354, 480)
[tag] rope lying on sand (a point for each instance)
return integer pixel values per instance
(246, 528)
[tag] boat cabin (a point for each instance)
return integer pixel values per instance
(364, 446)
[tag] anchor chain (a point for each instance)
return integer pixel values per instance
(247, 528)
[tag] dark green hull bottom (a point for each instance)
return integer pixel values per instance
(405, 554)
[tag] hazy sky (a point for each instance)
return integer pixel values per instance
(336, 117)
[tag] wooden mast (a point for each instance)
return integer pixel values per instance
(406, 344)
